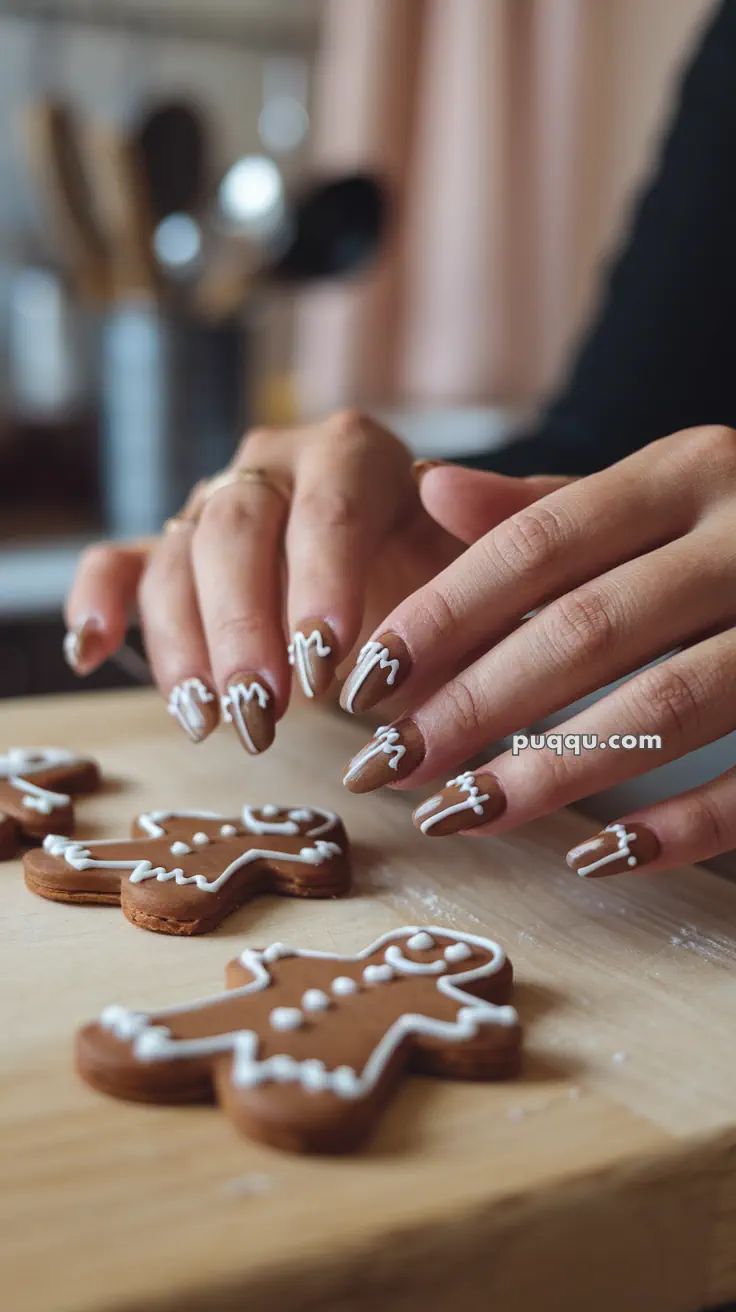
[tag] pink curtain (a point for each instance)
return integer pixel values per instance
(484, 116)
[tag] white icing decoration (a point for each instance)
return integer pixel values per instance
(299, 656)
(343, 985)
(200, 839)
(386, 740)
(228, 831)
(38, 799)
(286, 1018)
(315, 1000)
(150, 821)
(457, 952)
(473, 802)
(371, 655)
(420, 942)
(80, 858)
(154, 1042)
(32, 760)
(623, 839)
(278, 950)
(180, 849)
(396, 958)
(378, 974)
(185, 704)
(234, 704)
(325, 821)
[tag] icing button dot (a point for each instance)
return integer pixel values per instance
(457, 952)
(270, 810)
(420, 942)
(228, 831)
(286, 1018)
(298, 816)
(378, 974)
(343, 985)
(315, 1000)
(200, 839)
(180, 849)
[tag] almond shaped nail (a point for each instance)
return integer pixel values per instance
(382, 666)
(248, 706)
(469, 800)
(78, 646)
(195, 708)
(313, 654)
(393, 752)
(616, 850)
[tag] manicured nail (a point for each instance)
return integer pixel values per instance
(81, 646)
(381, 668)
(422, 467)
(313, 653)
(469, 800)
(195, 707)
(394, 751)
(615, 850)
(248, 706)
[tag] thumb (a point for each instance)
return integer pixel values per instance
(470, 502)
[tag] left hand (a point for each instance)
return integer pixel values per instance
(621, 567)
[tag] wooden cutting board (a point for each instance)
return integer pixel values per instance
(604, 1179)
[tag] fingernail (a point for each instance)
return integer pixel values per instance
(616, 850)
(381, 667)
(394, 751)
(313, 653)
(79, 646)
(469, 800)
(422, 467)
(248, 706)
(195, 708)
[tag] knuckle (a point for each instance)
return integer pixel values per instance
(433, 616)
(708, 447)
(227, 513)
(238, 633)
(529, 541)
(580, 626)
(256, 439)
(671, 701)
(467, 707)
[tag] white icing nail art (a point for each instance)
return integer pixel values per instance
(235, 708)
(185, 704)
(473, 802)
(386, 740)
(623, 849)
(299, 655)
(371, 655)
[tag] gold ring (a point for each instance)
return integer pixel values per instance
(248, 474)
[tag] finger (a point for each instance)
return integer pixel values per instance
(174, 638)
(341, 513)
(469, 502)
(659, 715)
(546, 549)
(579, 643)
(100, 601)
(236, 552)
(695, 826)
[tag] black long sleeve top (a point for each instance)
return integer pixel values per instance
(661, 352)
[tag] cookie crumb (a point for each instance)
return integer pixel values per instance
(619, 1058)
(247, 1186)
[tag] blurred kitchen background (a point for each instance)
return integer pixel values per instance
(223, 212)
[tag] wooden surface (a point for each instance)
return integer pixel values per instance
(604, 1179)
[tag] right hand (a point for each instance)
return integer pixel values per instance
(332, 541)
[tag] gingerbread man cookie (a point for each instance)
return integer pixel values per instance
(307, 1047)
(31, 800)
(183, 872)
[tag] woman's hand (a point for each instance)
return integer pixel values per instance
(626, 566)
(325, 536)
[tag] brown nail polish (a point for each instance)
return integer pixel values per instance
(422, 467)
(393, 752)
(616, 850)
(313, 654)
(79, 646)
(248, 706)
(469, 800)
(195, 708)
(382, 666)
